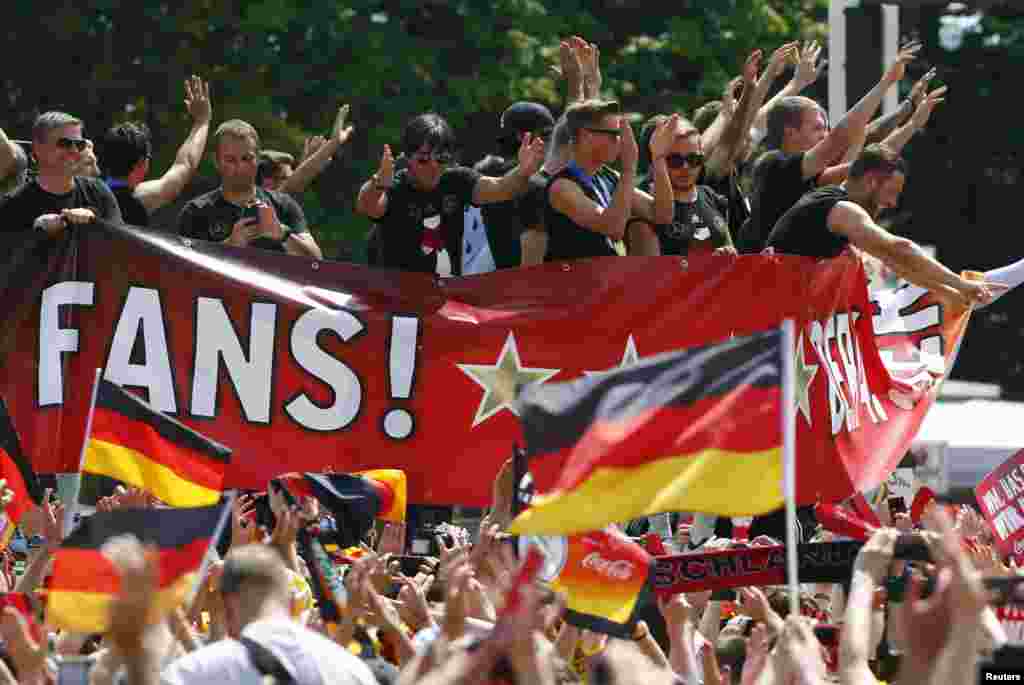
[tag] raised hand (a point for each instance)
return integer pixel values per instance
(752, 67)
(924, 110)
(340, 134)
(310, 146)
(590, 58)
(729, 97)
(920, 87)
(531, 154)
(807, 68)
(783, 55)
(392, 540)
(664, 137)
(197, 99)
(898, 69)
(629, 152)
(241, 533)
(385, 175)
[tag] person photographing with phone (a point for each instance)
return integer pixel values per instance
(240, 213)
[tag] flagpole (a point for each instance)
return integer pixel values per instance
(789, 461)
(71, 507)
(211, 551)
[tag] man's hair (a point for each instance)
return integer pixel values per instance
(581, 114)
(270, 162)
(236, 128)
(123, 146)
(430, 129)
(706, 115)
(786, 113)
(49, 121)
(256, 566)
(877, 157)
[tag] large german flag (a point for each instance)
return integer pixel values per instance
(696, 430)
(137, 445)
(84, 581)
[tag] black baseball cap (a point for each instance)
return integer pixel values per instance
(525, 117)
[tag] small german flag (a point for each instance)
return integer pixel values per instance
(696, 430)
(139, 446)
(17, 471)
(84, 580)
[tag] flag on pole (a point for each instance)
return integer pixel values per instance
(139, 446)
(696, 430)
(17, 471)
(85, 581)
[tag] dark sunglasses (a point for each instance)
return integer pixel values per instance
(439, 157)
(613, 132)
(78, 143)
(677, 161)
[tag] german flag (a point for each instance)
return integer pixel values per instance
(17, 471)
(696, 430)
(139, 446)
(84, 581)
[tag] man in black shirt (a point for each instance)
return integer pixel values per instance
(127, 152)
(824, 221)
(505, 221)
(240, 213)
(801, 150)
(419, 210)
(57, 198)
(699, 223)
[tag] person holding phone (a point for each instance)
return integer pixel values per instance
(239, 212)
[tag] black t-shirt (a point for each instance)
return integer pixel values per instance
(211, 217)
(778, 184)
(505, 221)
(804, 228)
(568, 240)
(132, 210)
(531, 205)
(698, 226)
(728, 186)
(422, 228)
(26, 204)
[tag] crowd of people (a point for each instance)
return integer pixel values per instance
(745, 174)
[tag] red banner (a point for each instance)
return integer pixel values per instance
(1000, 495)
(304, 365)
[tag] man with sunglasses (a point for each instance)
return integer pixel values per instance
(699, 224)
(419, 210)
(57, 198)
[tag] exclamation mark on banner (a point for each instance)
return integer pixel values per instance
(399, 423)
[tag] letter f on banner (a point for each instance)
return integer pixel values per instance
(55, 340)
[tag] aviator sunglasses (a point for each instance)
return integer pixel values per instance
(78, 143)
(677, 161)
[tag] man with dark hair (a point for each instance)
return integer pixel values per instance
(802, 152)
(127, 151)
(57, 198)
(419, 210)
(240, 213)
(824, 221)
(506, 221)
(588, 205)
(274, 169)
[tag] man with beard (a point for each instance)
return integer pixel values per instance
(240, 213)
(699, 224)
(825, 221)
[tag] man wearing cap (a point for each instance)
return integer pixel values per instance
(505, 222)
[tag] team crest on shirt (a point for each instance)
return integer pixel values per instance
(702, 233)
(219, 231)
(449, 204)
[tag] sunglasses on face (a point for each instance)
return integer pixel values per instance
(613, 132)
(439, 157)
(78, 143)
(677, 161)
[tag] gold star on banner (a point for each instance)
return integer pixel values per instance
(805, 374)
(502, 380)
(629, 357)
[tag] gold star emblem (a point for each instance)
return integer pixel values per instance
(629, 357)
(805, 374)
(503, 380)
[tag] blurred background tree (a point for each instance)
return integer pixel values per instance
(287, 66)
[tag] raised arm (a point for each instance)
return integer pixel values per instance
(869, 571)
(314, 164)
(660, 208)
(807, 71)
(517, 181)
(723, 155)
(590, 59)
(903, 134)
(372, 200)
(880, 128)
(905, 256)
(569, 199)
(164, 190)
(839, 138)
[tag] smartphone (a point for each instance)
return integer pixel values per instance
(897, 505)
(827, 635)
(410, 564)
(74, 670)
(724, 595)
(1004, 591)
(911, 547)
